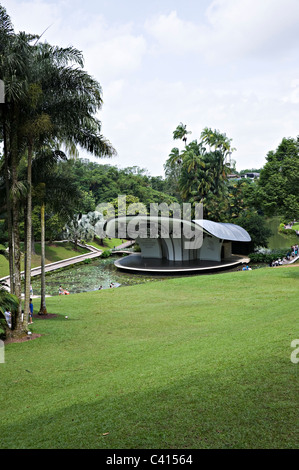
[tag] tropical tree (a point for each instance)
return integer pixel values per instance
(203, 173)
(53, 190)
(14, 63)
(49, 98)
(77, 229)
(181, 132)
(278, 185)
(218, 140)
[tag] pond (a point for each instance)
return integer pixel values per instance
(100, 272)
(89, 277)
(280, 240)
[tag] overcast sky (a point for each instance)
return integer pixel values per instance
(232, 65)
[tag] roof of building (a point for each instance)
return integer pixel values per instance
(224, 231)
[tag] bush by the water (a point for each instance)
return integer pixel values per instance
(286, 231)
(267, 257)
(106, 254)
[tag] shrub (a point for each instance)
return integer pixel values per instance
(106, 254)
(286, 231)
(267, 257)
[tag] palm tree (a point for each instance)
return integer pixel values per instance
(49, 98)
(181, 133)
(14, 60)
(217, 140)
(55, 191)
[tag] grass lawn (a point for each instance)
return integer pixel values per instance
(108, 243)
(54, 252)
(199, 362)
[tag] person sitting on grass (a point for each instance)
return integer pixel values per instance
(63, 291)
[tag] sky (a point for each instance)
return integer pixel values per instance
(230, 65)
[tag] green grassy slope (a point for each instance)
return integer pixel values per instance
(202, 362)
(54, 252)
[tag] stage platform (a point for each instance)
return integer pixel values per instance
(135, 263)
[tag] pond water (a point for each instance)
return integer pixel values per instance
(100, 272)
(89, 277)
(280, 240)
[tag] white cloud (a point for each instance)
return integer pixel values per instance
(115, 57)
(231, 68)
(176, 35)
(231, 30)
(34, 16)
(110, 50)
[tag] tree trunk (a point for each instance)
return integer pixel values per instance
(43, 308)
(33, 252)
(8, 209)
(28, 226)
(20, 324)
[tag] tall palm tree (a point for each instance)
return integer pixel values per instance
(181, 133)
(54, 190)
(14, 60)
(49, 97)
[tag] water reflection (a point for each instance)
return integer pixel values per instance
(90, 277)
(280, 240)
(102, 273)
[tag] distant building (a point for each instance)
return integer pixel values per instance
(251, 175)
(84, 160)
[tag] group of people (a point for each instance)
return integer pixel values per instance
(112, 284)
(290, 226)
(246, 268)
(8, 315)
(292, 253)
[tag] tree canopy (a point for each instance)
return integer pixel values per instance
(278, 185)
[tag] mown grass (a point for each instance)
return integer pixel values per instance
(54, 252)
(201, 362)
(109, 243)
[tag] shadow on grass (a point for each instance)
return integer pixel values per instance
(50, 317)
(201, 411)
(291, 272)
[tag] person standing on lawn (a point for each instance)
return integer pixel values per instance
(30, 311)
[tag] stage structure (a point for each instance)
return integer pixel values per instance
(177, 246)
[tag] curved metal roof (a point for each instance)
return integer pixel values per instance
(224, 231)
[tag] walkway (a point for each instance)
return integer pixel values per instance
(93, 253)
(296, 258)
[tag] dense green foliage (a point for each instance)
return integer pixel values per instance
(104, 183)
(278, 185)
(268, 257)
